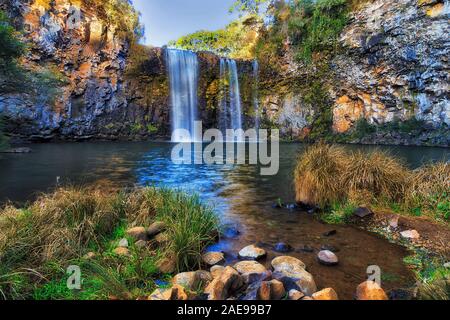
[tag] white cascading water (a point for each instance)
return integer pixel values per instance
(183, 74)
(255, 93)
(230, 116)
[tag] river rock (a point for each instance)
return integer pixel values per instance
(122, 251)
(277, 291)
(299, 280)
(162, 239)
(167, 265)
(362, 212)
(141, 244)
(213, 258)
(192, 280)
(370, 290)
(282, 247)
(178, 293)
(295, 295)
(216, 271)
(325, 294)
(410, 235)
(155, 229)
(244, 267)
(286, 263)
(306, 248)
(222, 287)
(252, 252)
(327, 258)
(123, 243)
(137, 233)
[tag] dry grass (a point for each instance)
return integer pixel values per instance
(37, 241)
(377, 174)
(317, 174)
(429, 189)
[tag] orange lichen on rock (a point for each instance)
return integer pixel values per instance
(346, 111)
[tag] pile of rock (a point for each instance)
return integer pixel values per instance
(248, 279)
(143, 237)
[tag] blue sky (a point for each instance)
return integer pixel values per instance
(167, 20)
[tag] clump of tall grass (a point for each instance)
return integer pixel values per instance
(326, 175)
(192, 226)
(375, 173)
(429, 190)
(316, 175)
(37, 241)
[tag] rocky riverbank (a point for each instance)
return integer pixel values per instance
(249, 280)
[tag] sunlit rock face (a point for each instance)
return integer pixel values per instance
(395, 64)
(391, 66)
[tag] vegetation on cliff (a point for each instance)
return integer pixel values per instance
(237, 40)
(87, 228)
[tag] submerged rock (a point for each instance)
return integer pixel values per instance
(282, 247)
(330, 233)
(327, 258)
(252, 252)
(370, 290)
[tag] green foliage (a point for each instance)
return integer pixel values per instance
(317, 96)
(248, 6)
(339, 213)
(237, 40)
(12, 77)
(315, 25)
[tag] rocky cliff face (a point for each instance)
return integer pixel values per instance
(392, 66)
(112, 90)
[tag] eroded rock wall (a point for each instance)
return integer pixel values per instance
(391, 67)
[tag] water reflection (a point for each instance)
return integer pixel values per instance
(240, 195)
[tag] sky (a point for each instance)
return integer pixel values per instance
(167, 20)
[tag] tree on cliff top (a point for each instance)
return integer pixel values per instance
(12, 76)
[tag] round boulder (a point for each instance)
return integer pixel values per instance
(370, 290)
(252, 252)
(327, 258)
(286, 263)
(213, 258)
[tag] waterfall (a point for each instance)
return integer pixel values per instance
(230, 116)
(255, 93)
(183, 74)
